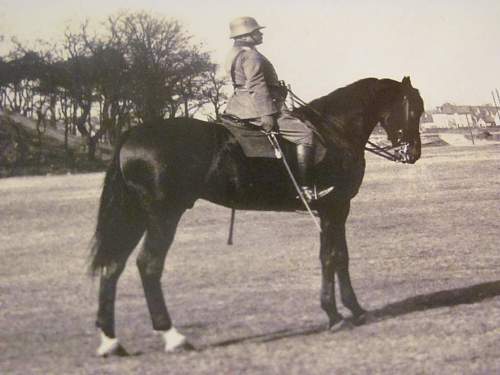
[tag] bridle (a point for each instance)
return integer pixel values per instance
(400, 149)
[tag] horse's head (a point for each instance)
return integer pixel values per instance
(401, 122)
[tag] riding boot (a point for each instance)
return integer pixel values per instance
(305, 163)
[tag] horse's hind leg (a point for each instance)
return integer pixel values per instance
(125, 243)
(150, 261)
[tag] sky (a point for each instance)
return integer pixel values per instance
(449, 48)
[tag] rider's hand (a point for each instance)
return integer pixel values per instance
(268, 123)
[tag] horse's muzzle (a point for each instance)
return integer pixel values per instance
(406, 153)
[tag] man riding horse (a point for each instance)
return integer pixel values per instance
(159, 170)
(259, 98)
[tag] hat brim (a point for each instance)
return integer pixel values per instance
(237, 35)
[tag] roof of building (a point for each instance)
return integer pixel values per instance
(486, 113)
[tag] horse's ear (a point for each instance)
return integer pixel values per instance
(406, 81)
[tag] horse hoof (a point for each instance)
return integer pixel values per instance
(360, 319)
(336, 323)
(185, 346)
(111, 347)
(174, 341)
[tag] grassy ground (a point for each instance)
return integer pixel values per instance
(424, 260)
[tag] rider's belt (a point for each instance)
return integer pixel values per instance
(238, 88)
(243, 88)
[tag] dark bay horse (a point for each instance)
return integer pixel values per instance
(161, 169)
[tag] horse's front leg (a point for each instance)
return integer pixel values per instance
(150, 261)
(328, 303)
(335, 260)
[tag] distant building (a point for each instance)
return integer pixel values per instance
(461, 116)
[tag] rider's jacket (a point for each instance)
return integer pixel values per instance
(257, 90)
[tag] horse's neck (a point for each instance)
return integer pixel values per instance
(368, 126)
(355, 116)
(349, 130)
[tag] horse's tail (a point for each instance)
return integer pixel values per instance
(118, 209)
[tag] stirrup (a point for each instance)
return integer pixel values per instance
(312, 194)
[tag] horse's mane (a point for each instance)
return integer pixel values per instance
(351, 98)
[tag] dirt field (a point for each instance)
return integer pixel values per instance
(424, 260)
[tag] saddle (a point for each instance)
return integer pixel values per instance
(255, 143)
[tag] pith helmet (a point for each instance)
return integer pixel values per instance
(243, 25)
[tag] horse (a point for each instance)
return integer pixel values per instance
(161, 168)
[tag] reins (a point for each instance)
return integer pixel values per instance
(381, 151)
(374, 148)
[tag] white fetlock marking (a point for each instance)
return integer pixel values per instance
(173, 339)
(108, 345)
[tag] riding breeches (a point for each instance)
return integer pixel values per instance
(293, 129)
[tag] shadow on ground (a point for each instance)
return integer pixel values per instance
(444, 298)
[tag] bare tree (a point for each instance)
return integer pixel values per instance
(165, 68)
(4, 81)
(80, 71)
(141, 69)
(214, 91)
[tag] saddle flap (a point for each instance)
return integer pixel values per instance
(255, 143)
